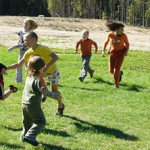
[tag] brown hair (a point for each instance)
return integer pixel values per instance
(31, 34)
(35, 63)
(113, 25)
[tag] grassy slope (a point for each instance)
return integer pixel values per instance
(97, 116)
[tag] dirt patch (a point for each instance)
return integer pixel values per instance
(63, 33)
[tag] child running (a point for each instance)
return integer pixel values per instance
(51, 71)
(86, 52)
(28, 25)
(119, 46)
(11, 89)
(33, 117)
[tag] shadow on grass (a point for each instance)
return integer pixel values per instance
(82, 88)
(100, 80)
(57, 133)
(101, 129)
(134, 87)
(10, 146)
(53, 147)
(11, 129)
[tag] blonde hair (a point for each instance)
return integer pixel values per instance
(35, 63)
(33, 24)
(85, 31)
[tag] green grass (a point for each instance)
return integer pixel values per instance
(97, 116)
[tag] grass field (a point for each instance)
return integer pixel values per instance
(97, 116)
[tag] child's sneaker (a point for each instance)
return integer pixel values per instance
(81, 79)
(91, 74)
(60, 110)
(116, 86)
(31, 141)
(13, 88)
(43, 99)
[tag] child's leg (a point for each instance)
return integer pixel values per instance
(118, 65)
(112, 61)
(83, 72)
(26, 121)
(19, 75)
(88, 68)
(53, 79)
(85, 66)
(55, 89)
(38, 121)
(19, 70)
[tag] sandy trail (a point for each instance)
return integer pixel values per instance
(63, 33)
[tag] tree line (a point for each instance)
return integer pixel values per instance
(133, 12)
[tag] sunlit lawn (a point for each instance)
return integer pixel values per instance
(97, 116)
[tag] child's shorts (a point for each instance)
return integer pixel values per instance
(54, 77)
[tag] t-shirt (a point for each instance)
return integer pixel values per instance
(33, 90)
(117, 42)
(44, 52)
(86, 46)
(31, 93)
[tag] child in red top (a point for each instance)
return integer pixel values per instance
(119, 46)
(86, 52)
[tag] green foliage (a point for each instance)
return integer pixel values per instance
(97, 116)
(147, 13)
(104, 16)
(135, 12)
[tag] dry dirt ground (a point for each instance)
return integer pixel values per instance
(63, 33)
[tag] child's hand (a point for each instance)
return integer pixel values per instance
(43, 99)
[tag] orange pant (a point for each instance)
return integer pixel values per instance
(116, 60)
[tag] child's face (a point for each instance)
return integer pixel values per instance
(119, 31)
(85, 35)
(26, 26)
(28, 41)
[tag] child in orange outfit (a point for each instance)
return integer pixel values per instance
(119, 46)
(86, 52)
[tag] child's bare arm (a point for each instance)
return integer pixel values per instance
(96, 47)
(16, 65)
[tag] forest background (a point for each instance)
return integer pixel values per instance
(132, 12)
(97, 116)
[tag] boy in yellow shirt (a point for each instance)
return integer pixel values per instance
(50, 58)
